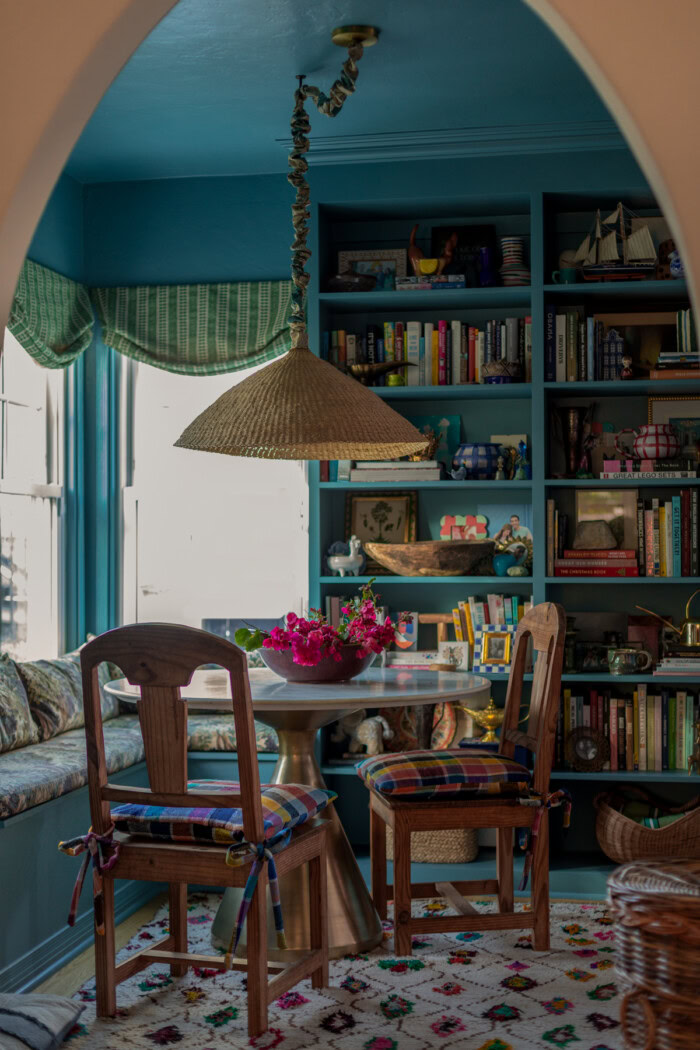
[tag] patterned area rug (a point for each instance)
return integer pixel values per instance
(472, 991)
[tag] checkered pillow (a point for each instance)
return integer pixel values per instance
(284, 806)
(434, 774)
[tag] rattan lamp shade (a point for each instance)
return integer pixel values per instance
(300, 407)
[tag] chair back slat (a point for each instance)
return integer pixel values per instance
(544, 627)
(161, 659)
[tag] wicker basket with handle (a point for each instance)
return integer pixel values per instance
(656, 907)
(623, 839)
(453, 846)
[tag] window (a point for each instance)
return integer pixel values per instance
(207, 536)
(31, 407)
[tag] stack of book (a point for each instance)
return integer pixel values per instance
(684, 360)
(646, 731)
(431, 282)
(636, 469)
(444, 352)
(685, 663)
(395, 470)
(615, 563)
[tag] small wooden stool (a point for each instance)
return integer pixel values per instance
(656, 906)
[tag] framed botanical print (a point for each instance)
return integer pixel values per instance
(382, 517)
(493, 647)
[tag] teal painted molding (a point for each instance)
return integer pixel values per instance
(493, 141)
(73, 589)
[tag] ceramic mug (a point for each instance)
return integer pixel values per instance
(629, 661)
(566, 275)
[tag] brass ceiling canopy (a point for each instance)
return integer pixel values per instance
(300, 407)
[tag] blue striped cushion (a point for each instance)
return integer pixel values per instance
(434, 774)
(284, 806)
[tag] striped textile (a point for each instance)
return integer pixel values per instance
(284, 806)
(435, 774)
(51, 316)
(197, 329)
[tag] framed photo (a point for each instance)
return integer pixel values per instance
(683, 414)
(591, 656)
(382, 517)
(617, 508)
(385, 264)
(493, 648)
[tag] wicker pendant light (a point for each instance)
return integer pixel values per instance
(300, 407)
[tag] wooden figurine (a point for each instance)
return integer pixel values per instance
(421, 265)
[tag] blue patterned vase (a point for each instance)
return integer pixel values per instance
(479, 461)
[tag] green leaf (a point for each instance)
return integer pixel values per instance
(255, 641)
(242, 635)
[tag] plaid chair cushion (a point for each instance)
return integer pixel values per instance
(284, 806)
(435, 774)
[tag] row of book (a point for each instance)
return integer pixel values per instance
(444, 353)
(667, 542)
(650, 731)
(475, 612)
(586, 349)
(641, 469)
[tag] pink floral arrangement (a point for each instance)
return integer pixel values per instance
(314, 639)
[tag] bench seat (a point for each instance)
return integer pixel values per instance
(41, 772)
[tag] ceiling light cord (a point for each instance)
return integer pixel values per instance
(331, 105)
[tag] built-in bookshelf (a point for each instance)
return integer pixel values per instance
(547, 223)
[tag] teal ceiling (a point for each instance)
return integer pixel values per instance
(210, 91)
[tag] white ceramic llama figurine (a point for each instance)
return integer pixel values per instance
(348, 564)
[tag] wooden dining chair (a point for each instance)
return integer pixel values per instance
(463, 788)
(161, 658)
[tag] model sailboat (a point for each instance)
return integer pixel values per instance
(615, 251)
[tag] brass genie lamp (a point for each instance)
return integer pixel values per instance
(489, 719)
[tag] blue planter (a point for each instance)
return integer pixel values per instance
(480, 461)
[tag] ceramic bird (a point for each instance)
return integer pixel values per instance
(421, 265)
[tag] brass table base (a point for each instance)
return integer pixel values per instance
(353, 923)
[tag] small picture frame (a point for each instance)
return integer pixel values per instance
(493, 648)
(384, 264)
(455, 653)
(382, 517)
(591, 657)
(683, 414)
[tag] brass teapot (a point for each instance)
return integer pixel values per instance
(689, 630)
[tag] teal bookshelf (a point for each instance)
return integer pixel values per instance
(548, 223)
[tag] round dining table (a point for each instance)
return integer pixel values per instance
(296, 711)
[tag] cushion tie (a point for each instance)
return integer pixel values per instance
(262, 852)
(528, 835)
(93, 845)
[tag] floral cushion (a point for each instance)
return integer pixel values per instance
(284, 806)
(435, 774)
(17, 729)
(44, 771)
(217, 732)
(55, 692)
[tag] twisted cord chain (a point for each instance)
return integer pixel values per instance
(331, 105)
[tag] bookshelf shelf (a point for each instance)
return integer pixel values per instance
(498, 582)
(638, 580)
(616, 387)
(613, 483)
(470, 392)
(456, 486)
(627, 678)
(456, 299)
(670, 776)
(676, 290)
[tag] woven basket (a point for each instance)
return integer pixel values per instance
(622, 839)
(454, 846)
(656, 907)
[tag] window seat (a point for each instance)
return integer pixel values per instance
(40, 772)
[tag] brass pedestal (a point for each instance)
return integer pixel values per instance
(353, 923)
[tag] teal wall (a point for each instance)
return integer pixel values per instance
(58, 240)
(239, 228)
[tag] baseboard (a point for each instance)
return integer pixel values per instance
(30, 969)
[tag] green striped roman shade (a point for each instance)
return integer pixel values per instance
(197, 329)
(51, 316)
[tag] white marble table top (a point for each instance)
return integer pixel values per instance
(377, 687)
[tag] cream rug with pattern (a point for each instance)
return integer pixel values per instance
(472, 991)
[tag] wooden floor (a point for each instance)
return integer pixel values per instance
(70, 977)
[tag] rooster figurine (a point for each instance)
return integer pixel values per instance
(421, 265)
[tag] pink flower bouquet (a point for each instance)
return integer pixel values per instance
(314, 640)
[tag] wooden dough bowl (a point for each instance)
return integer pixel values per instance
(435, 557)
